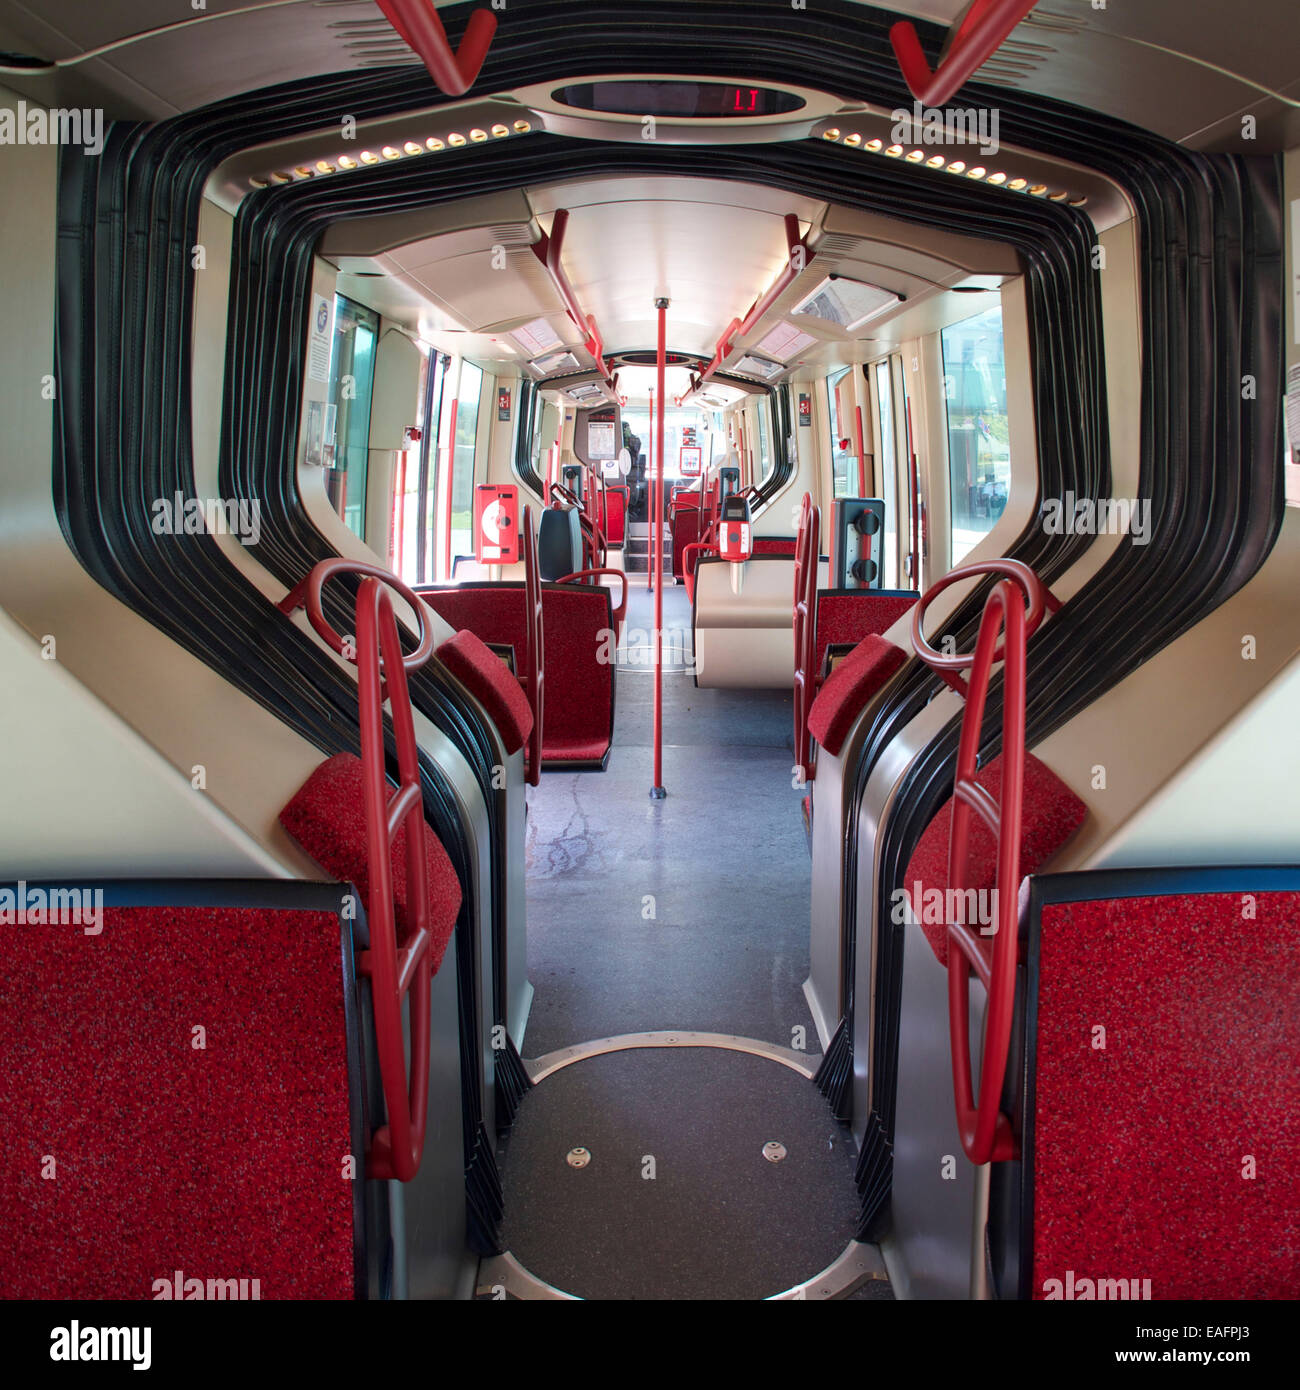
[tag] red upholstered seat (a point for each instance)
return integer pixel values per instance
(490, 681)
(137, 1146)
(1051, 815)
(1171, 1154)
(578, 717)
(327, 817)
(774, 545)
(848, 688)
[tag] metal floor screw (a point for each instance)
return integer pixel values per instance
(578, 1158)
(773, 1152)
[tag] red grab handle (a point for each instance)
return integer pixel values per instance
(1039, 599)
(397, 1147)
(984, 29)
(986, 1133)
(532, 678)
(1011, 615)
(418, 25)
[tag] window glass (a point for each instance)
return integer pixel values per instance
(352, 381)
(888, 468)
(979, 456)
(764, 463)
(844, 474)
(462, 475)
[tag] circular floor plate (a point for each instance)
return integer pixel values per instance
(677, 1200)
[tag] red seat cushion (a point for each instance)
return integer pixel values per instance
(327, 817)
(221, 1162)
(848, 688)
(489, 680)
(1169, 1154)
(1051, 813)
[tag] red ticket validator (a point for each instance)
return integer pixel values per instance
(496, 523)
(735, 530)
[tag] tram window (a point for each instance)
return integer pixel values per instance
(413, 528)
(352, 380)
(535, 433)
(462, 464)
(762, 465)
(842, 470)
(979, 456)
(888, 465)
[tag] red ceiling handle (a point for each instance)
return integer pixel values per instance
(418, 25)
(986, 26)
(1038, 599)
(986, 1133)
(532, 677)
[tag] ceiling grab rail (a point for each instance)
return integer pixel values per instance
(394, 971)
(799, 257)
(978, 37)
(548, 250)
(418, 26)
(1011, 615)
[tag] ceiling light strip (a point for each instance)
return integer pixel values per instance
(982, 173)
(398, 149)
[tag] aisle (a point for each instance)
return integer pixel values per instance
(687, 913)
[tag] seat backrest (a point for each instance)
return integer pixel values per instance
(494, 613)
(845, 616)
(559, 542)
(187, 1070)
(578, 718)
(1160, 1143)
(616, 516)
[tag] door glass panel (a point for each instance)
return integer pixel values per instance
(462, 476)
(979, 455)
(352, 382)
(843, 469)
(888, 468)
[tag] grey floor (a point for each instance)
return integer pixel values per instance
(686, 913)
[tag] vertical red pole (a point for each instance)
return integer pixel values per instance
(862, 456)
(649, 499)
(657, 792)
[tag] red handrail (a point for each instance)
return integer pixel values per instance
(397, 1147)
(1015, 608)
(737, 328)
(986, 26)
(806, 560)
(620, 608)
(532, 677)
(548, 250)
(418, 25)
